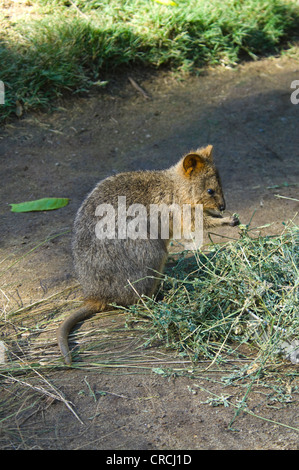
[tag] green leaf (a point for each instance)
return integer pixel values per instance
(45, 204)
(166, 2)
(158, 370)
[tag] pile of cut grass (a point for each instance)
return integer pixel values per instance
(245, 292)
(63, 47)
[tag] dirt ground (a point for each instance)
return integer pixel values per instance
(246, 113)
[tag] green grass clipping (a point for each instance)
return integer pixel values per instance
(45, 204)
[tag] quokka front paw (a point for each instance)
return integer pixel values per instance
(234, 220)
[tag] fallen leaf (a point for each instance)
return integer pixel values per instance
(45, 204)
(166, 2)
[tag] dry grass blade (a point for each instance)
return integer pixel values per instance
(54, 394)
(138, 88)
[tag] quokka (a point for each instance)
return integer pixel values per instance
(107, 268)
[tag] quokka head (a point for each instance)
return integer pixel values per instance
(201, 181)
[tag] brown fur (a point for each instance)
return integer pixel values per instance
(107, 268)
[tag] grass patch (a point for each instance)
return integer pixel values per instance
(68, 46)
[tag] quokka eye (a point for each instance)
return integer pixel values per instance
(211, 191)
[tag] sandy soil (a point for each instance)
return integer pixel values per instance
(246, 113)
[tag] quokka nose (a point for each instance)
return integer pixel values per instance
(222, 207)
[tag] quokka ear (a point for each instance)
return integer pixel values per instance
(206, 152)
(193, 162)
